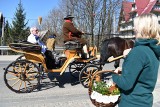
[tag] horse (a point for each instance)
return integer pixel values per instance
(114, 47)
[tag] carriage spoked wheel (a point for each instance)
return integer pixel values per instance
(21, 57)
(22, 76)
(86, 74)
(75, 68)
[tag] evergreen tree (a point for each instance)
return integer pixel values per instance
(7, 32)
(19, 29)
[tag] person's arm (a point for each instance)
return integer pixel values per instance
(73, 29)
(130, 70)
(31, 38)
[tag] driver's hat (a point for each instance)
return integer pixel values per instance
(69, 17)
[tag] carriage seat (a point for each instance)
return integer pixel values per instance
(26, 47)
(73, 45)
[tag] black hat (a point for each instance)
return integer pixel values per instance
(68, 17)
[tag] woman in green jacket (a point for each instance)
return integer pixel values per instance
(140, 67)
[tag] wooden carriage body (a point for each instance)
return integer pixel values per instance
(25, 73)
(33, 53)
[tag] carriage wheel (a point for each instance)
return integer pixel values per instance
(75, 68)
(20, 57)
(22, 76)
(95, 62)
(87, 73)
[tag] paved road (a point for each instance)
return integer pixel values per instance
(73, 95)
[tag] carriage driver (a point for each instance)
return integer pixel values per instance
(71, 33)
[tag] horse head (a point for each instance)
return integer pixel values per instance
(104, 53)
(114, 47)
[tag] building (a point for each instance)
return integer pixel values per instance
(130, 10)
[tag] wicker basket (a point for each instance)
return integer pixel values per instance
(99, 74)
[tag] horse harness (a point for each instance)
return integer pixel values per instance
(127, 44)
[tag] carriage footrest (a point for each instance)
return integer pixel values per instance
(72, 45)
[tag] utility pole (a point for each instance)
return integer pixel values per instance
(2, 23)
(2, 38)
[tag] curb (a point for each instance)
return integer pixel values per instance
(8, 57)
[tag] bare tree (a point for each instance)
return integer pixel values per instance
(92, 16)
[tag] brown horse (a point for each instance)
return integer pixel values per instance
(114, 47)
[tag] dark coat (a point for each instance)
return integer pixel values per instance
(71, 33)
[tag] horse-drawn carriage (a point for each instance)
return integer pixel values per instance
(24, 75)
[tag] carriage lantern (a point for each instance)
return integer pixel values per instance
(39, 20)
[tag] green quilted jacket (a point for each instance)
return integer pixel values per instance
(139, 74)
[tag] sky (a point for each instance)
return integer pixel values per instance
(32, 8)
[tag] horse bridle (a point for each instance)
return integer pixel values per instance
(127, 45)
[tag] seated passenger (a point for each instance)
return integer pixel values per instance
(34, 38)
(71, 33)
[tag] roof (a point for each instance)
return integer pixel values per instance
(127, 7)
(143, 6)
